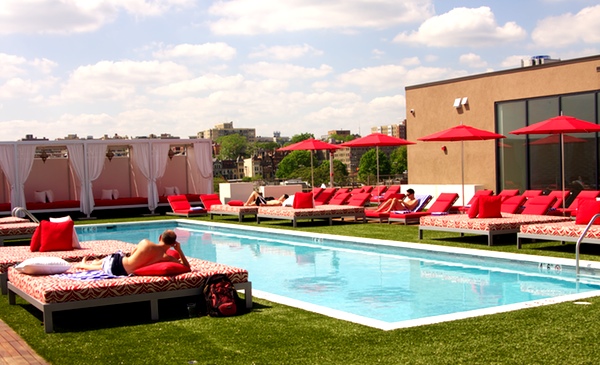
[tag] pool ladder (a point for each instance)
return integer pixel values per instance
(20, 210)
(580, 239)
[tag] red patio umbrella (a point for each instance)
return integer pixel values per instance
(376, 140)
(312, 144)
(461, 133)
(560, 125)
(555, 139)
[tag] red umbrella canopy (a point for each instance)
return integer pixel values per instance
(309, 145)
(461, 133)
(377, 139)
(558, 125)
(555, 139)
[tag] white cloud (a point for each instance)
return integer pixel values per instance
(410, 61)
(17, 87)
(568, 29)
(286, 71)
(74, 16)
(197, 52)
(11, 65)
(209, 82)
(463, 27)
(394, 77)
(284, 53)
(270, 16)
(119, 80)
(472, 60)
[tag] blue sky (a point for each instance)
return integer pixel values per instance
(135, 67)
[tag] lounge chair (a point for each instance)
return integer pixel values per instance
(389, 193)
(441, 206)
(341, 191)
(325, 196)
(538, 205)
(572, 209)
(560, 197)
(405, 217)
(214, 206)
(531, 193)
(340, 199)
(366, 189)
(513, 204)
(464, 209)
(359, 199)
(181, 207)
(507, 193)
(317, 191)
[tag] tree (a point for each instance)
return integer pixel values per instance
(255, 147)
(398, 160)
(232, 146)
(340, 138)
(367, 167)
(292, 164)
(340, 173)
(301, 137)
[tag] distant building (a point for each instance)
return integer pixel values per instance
(227, 129)
(394, 130)
(30, 137)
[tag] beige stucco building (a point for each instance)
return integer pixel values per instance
(503, 101)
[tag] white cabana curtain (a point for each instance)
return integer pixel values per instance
(203, 158)
(17, 169)
(151, 159)
(78, 165)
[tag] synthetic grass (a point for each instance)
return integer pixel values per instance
(276, 334)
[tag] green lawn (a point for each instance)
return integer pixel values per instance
(564, 333)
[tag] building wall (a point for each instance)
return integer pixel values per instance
(432, 104)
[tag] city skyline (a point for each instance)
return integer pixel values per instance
(140, 67)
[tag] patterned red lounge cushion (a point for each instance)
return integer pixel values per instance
(55, 289)
(586, 211)
(507, 222)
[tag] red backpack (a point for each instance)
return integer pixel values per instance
(221, 297)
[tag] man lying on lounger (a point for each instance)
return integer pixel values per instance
(257, 199)
(145, 253)
(409, 202)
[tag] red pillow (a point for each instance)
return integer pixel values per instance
(474, 209)
(489, 206)
(165, 268)
(586, 210)
(303, 200)
(36, 239)
(173, 253)
(236, 203)
(56, 236)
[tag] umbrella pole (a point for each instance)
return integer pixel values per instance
(331, 168)
(562, 168)
(312, 173)
(462, 169)
(377, 152)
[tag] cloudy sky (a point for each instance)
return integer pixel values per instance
(135, 67)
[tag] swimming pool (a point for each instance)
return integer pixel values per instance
(383, 284)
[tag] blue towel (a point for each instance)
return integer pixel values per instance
(87, 275)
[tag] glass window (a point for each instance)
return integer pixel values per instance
(511, 150)
(544, 154)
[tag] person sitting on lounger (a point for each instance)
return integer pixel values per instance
(145, 253)
(407, 203)
(257, 199)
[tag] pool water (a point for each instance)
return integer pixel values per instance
(383, 286)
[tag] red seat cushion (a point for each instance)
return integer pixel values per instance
(236, 203)
(586, 211)
(489, 206)
(303, 200)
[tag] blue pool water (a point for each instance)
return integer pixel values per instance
(381, 283)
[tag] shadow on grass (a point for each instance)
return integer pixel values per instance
(123, 315)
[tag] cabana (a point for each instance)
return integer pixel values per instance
(76, 175)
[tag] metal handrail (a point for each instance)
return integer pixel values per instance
(17, 210)
(580, 239)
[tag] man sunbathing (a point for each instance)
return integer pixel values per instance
(409, 202)
(145, 253)
(257, 199)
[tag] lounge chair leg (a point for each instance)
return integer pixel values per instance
(154, 309)
(48, 323)
(420, 234)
